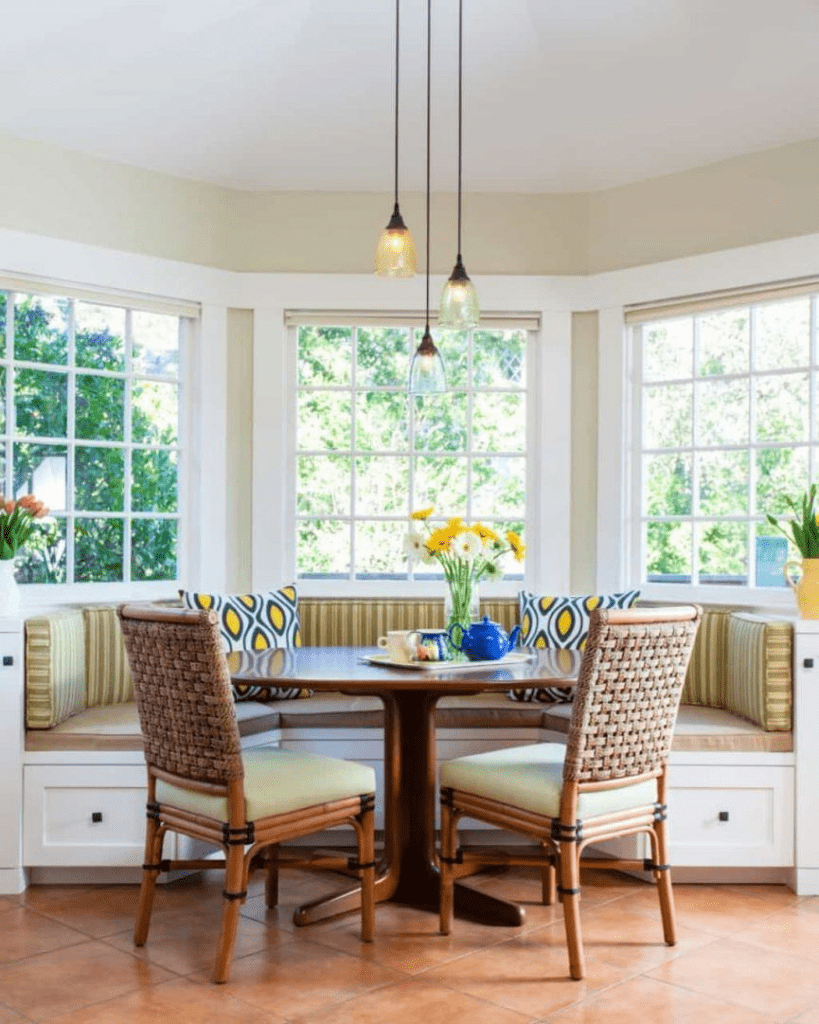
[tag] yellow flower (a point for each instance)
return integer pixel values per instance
(484, 532)
(518, 548)
(455, 526)
(438, 542)
(424, 513)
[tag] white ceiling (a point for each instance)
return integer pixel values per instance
(559, 95)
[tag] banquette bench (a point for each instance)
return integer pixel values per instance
(731, 777)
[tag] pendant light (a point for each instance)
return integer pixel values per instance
(395, 254)
(427, 374)
(459, 301)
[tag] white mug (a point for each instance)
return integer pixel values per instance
(400, 644)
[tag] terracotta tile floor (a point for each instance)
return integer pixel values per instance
(746, 955)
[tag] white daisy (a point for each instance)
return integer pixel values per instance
(414, 546)
(467, 546)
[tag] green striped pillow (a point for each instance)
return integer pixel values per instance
(706, 681)
(55, 669)
(108, 676)
(759, 683)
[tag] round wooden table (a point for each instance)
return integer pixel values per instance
(409, 696)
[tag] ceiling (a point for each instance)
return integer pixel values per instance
(559, 95)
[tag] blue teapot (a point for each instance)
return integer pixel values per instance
(482, 641)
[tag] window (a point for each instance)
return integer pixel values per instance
(726, 416)
(367, 454)
(89, 422)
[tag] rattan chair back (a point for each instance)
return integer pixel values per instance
(628, 692)
(183, 692)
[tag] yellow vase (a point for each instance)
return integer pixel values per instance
(806, 586)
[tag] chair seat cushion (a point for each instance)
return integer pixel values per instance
(531, 778)
(278, 781)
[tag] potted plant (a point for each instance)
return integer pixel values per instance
(16, 523)
(803, 533)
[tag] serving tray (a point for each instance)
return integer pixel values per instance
(513, 658)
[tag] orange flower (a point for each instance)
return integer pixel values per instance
(10, 506)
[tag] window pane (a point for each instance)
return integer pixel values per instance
(98, 550)
(668, 552)
(454, 347)
(780, 473)
(440, 481)
(325, 355)
(99, 408)
(41, 403)
(155, 343)
(41, 329)
(723, 553)
(2, 399)
(323, 485)
(323, 548)
(154, 412)
(153, 549)
(723, 480)
(41, 469)
(667, 485)
(782, 412)
(379, 550)
(668, 349)
(382, 357)
(499, 359)
(382, 484)
(771, 551)
(324, 420)
(498, 422)
(99, 479)
(154, 481)
(782, 336)
(381, 421)
(499, 487)
(42, 559)
(722, 412)
(99, 337)
(441, 424)
(722, 345)
(667, 416)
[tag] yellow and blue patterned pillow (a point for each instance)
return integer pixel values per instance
(562, 622)
(255, 622)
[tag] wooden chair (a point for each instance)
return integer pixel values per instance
(608, 782)
(201, 785)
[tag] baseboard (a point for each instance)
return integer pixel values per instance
(96, 876)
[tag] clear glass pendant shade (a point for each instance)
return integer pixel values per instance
(395, 254)
(459, 307)
(427, 373)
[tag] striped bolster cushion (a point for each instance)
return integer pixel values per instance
(760, 671)
(55, 669)
(706, 682)
(108, 677)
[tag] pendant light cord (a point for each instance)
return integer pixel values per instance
(460, 111)
(429, 66)
(397, 51)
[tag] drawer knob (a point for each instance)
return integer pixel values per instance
(723, 815)
(96, 817)
(8, 659)
(808, 663)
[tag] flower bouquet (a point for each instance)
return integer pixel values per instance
(466, 555)
(17, 522)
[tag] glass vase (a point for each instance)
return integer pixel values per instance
(461, 603)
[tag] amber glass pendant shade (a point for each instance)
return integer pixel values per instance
(427, 373)
(459, 307)
(395, 254)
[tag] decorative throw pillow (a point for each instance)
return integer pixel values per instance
(561, 622)
(255, 622)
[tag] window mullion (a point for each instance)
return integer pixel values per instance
(353, 446)
(127, 437)
(695, 459)
(71, 435)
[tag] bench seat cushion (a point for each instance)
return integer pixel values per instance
(116, 727)
(699, 728)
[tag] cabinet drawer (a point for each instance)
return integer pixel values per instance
(78, 815)
(731, 817)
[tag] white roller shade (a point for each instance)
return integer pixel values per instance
(131, 300)
(689, 305)
(403, 318)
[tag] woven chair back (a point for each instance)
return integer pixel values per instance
(183, 692)
(628, 692)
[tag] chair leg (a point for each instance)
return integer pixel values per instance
(659, 845)
(271, 879)
(235, 886)
(449, 824)
(366, 855)
(569, 864)
(548, 878)
(154, 836)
